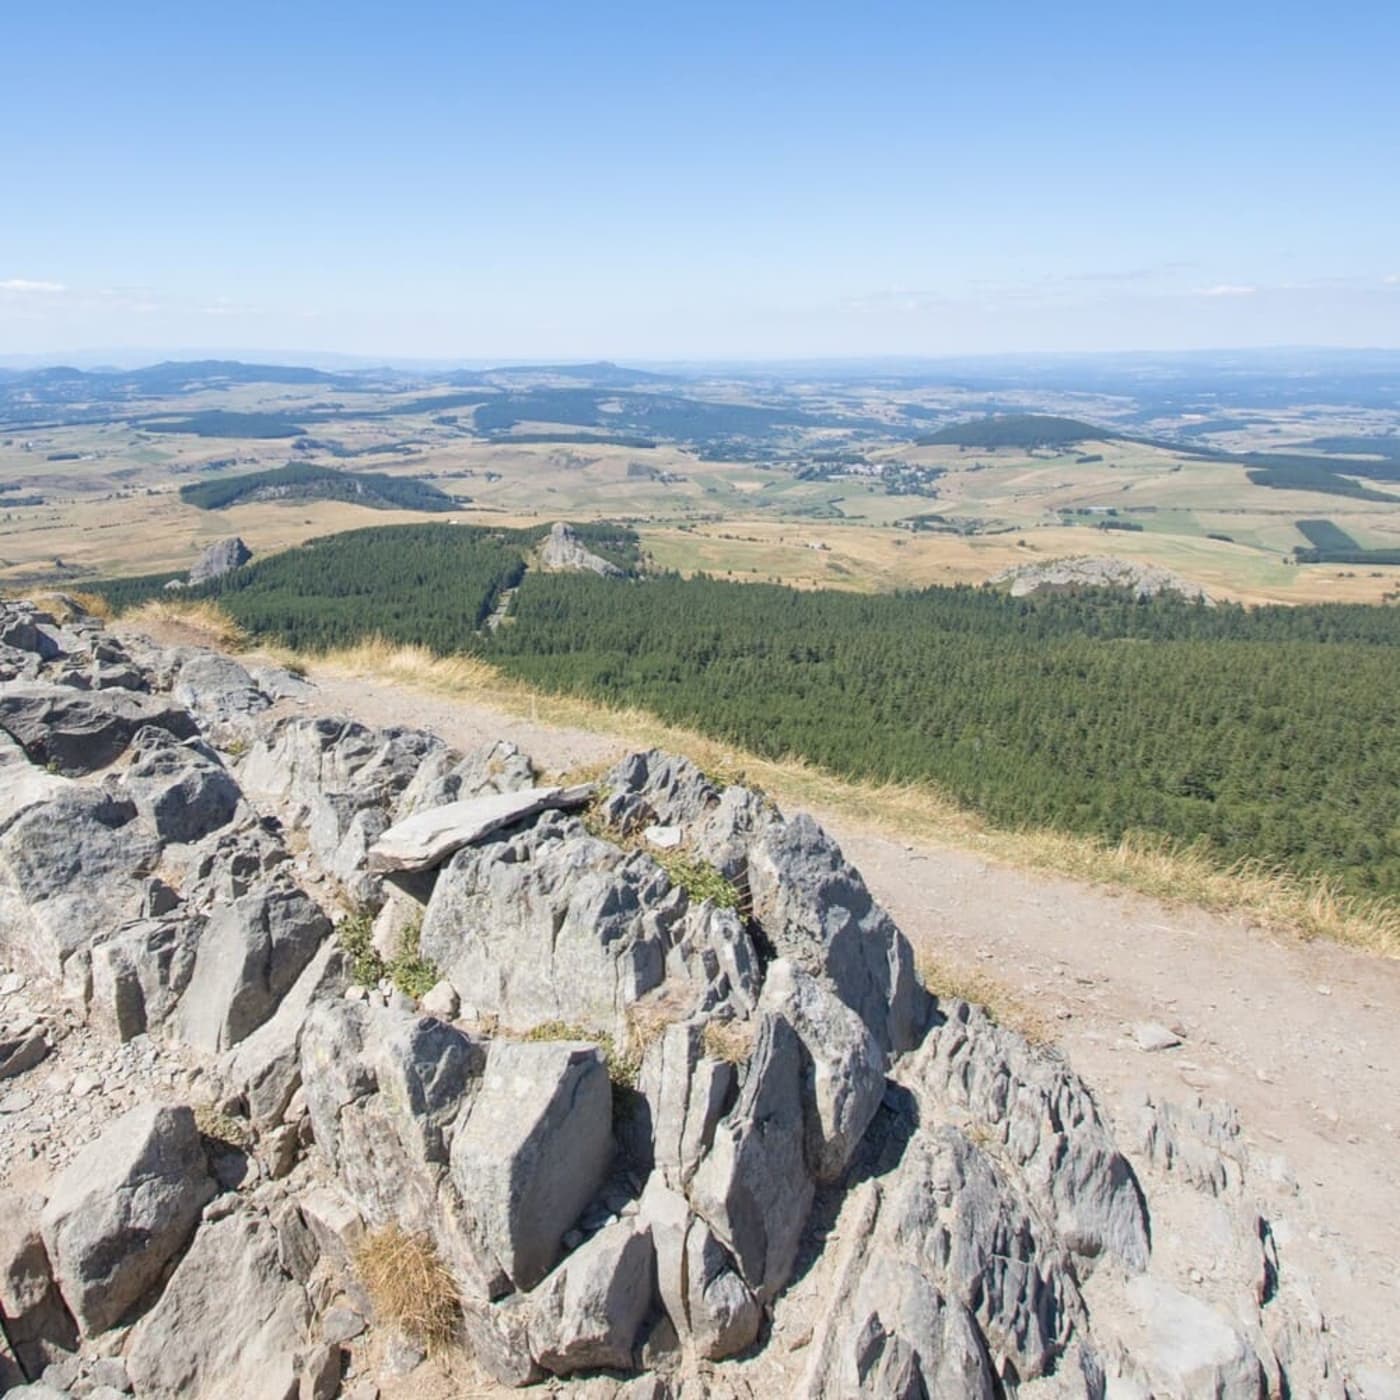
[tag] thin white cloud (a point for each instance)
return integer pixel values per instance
(25, 285)
(1393, 280)
(1227, 289)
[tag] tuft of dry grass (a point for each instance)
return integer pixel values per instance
(409, 1285)
(206, 618)
(93, 604)
(945, 979)
(1310, 907)
(728, 1040)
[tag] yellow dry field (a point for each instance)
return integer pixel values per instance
(112, 506)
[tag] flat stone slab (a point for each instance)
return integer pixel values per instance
(426, 839)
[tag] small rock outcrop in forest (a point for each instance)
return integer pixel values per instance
(649, 1088)
(1097, 571)
(220, 558)
(563, 549)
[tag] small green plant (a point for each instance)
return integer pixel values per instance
(698, 878)
(412, 973)
(694, 874)
(355, 933)
(623, 1065)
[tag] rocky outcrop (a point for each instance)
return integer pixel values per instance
(75, 732)
(653, 1089)
(564, 550)
(182, 789)
(551, 924)
(71, 869)
(220, 558)
(1097, 571)
(38, 1324)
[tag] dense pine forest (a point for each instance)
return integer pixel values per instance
(1268, 732)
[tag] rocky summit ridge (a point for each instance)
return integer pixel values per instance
(1097, 571)
(651, 1081)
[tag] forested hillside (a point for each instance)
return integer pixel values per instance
(303, 480)
(1014, 430)
(1271, 733)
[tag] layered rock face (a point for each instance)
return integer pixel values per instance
(652, 1082)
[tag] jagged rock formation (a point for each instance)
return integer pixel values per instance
(220, 558)
(694, 1119)
(1097, 571)
(564, 550)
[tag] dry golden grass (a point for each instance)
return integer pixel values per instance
(1272, 897)
(944, 979)
(93, 604)
(409, 1285)
(215, 626)
(728, 1040)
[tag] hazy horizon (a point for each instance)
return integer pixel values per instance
(733, 184)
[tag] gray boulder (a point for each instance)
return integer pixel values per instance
(220, 558)
(217, 689)
(182, 789)
(386, 1091)
(444, 777)
(552, 924)
(37, 1323)
(139, 973)
(1046, 1124)
(946, 1278)
(231, 1321)
(266, 1066)
(885, 1330)
(586, 1313)
(810, 902)
(753, 1187)
(249, 957)
(320, 773)
(531, 1152)
(226, 864)
(843, 1070)
(426, 839)
(1188, 1348)
(713, 1311)
(71, 869)
(22, 785)
(77, 732)
(686, 1093)
(123, 1208)
(815, 909)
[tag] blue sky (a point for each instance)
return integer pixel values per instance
(651, 182)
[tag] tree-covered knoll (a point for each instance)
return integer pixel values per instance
(1024, 430)
(433, 585)
(305, 481)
